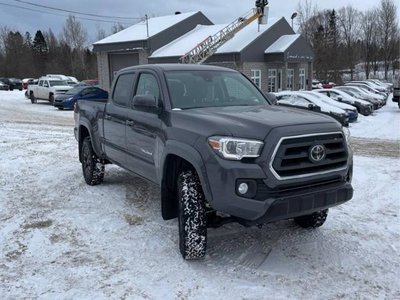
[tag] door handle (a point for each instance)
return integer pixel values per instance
(130, 123)
(108, 117)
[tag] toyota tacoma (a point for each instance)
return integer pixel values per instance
(217, 148)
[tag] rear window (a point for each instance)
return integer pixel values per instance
(123, 89)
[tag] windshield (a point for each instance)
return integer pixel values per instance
(75, 90)
(198, 89)
(58, 83)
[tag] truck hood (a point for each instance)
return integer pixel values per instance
(245, 121)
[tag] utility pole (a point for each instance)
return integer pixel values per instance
(147, 25)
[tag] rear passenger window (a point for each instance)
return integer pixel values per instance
(123, 89)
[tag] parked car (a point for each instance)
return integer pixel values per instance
(67, 100)
(360, 94)
(396, 93)
(328, 84)
(3, 86)
(13, 83)
(316, 84)
(351, 111)
(69, 79)
(306, 100)
(91, 81)
(47, 89)
(366, 88)
(387, 85)
(212, 142)
(26, 82)
(363, 107)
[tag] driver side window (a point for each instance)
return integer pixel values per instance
(148, 85)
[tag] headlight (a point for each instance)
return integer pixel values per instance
(69, 99)
(235, 148)
(347, 136)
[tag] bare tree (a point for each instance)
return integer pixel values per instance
(74, 34)
(388, 27)
(307, 24)
(369, 28)
(349, 24)
(100, 33)
(76, 37)
(117, 27)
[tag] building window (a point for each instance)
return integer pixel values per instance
(271, 80)
(302, 79)
(290, 79)
(279, 80)
(256, 77)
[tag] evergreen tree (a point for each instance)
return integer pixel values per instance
(39, 43)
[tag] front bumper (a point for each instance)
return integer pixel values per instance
(271, 198)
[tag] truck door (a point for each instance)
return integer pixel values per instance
(115, 119)
(143, 129)
(44, 90)
(36, 90)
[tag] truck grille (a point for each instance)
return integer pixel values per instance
(307, 155)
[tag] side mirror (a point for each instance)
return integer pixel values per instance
(311, 106)
(340, 99)
(146, 103)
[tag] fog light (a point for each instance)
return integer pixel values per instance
(243, 188)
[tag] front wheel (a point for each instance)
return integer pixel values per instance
(51, 99)
(92, 168)
(314, 220)
(192, 216)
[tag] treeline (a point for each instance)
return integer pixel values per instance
(344, 38)
(24, 55)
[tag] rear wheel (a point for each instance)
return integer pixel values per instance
(33, 98)
(192, 217)
(314, 220)
(51, 98)
(92, 168)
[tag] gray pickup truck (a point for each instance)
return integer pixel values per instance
(217, 148)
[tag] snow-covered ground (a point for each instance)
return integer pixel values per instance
(62, 239)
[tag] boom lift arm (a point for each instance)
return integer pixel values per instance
(210, 45)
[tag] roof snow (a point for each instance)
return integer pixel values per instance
(187, 42)
(283, 43)
(138, 32)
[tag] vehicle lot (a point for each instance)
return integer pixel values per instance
(60, 238)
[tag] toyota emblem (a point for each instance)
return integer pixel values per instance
(317, 153)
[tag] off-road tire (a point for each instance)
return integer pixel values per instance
(33, 98)
(92, 168)
(192, 216)
(314, 220)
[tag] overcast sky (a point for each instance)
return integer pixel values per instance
(219, 11)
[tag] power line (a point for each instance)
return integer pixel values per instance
(55, 14)
(76, 12)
